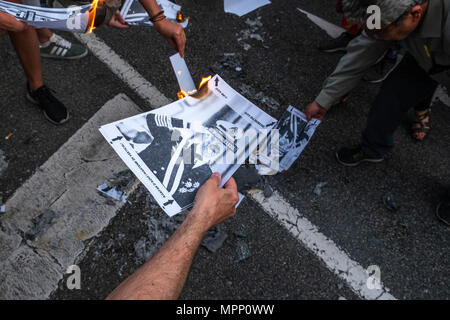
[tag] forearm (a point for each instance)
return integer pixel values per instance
(164, 275)
(362, 53)
(151, 7)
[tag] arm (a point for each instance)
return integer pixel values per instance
(164, 275)
(9, 23)
(362, 53)
(172, 31)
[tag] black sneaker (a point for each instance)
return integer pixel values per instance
(443, 210)
(53, 109)
(351, 157)
(338, 44)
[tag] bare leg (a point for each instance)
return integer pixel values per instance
(27, 47)
(26, 44)
(44, 35)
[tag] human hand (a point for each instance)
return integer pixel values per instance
(117, 21)
(314, 110)
(213, 205)
(173, 33)
(9, 23)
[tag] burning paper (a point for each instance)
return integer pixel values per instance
(242, 7)
(73, 19)
(183, 75)
(134, 13)
(295, 133)
(173, 150)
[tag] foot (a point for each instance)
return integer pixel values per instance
(59, 48)
(53, 109)
(443, 210)
(351, 157)
(421, 125)
(338, 44)
(380, 71)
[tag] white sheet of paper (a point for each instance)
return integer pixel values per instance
(242, 7)
(332, 30)
(152, 144)
(182, 73)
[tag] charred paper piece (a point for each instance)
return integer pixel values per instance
(214, 240)
(173, 150)
(182, 73)
(242, 7)
(73, 19)
(134, 13)
(242, 251)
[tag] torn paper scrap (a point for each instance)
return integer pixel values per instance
(113, 192)
(295, 132)
(2, 209)
(74, 19)
(242, 7)
(183, 75)
(136, 15)
(332, 30)
(173, 150)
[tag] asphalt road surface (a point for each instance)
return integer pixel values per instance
(301, 245)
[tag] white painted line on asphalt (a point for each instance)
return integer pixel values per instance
(334, 258)
(64, 190)
(331, 29)
(123, 70)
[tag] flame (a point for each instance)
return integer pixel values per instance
(180, 17)
(182, 94)
(92, 13)
(204, 80)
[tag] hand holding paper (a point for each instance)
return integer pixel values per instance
(9, 23)
(213, 205)
(173, 33)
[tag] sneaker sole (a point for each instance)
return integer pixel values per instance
(30, 99)
(52, 56)
(357, 163)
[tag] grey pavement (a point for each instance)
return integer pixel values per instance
(281, 62)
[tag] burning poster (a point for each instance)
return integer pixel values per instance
(173, 150)
(134, 13)
(73, 19)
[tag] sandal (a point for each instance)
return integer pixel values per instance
(421, 125)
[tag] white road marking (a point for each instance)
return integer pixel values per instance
(123, 70)
(331, 29)
(66, 184)
(334, 258)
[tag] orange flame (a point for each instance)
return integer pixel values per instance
(92, 13)
(204, 80)
(183, 94)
